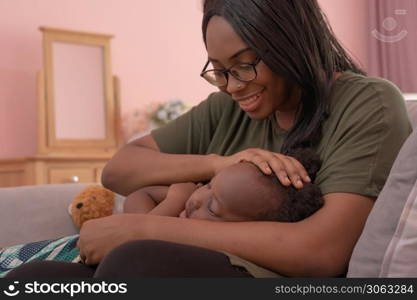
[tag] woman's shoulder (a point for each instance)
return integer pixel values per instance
(350, 83)
(363, 103)
(356, 90)
(352, 77)
(366, 127)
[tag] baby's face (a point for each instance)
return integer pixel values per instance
(232, 195)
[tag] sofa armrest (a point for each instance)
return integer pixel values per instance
(34, 213)
(412, 112)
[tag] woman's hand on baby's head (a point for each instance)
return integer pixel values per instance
(287, 169)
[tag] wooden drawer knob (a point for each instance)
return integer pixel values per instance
(75, 179)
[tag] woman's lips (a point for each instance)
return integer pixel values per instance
(251, 103)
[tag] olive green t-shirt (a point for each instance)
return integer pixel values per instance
(366, 127)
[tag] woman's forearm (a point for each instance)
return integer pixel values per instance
(134, 167)
(320, 245)
(286, 249)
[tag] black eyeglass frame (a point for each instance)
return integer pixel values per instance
(226, 72)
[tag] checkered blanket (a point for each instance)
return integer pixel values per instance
(62, 249)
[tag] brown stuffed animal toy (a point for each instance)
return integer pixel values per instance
(91, 203)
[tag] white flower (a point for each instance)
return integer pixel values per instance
(169, 111)
(162, 115)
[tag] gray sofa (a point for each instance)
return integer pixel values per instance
(34, 213)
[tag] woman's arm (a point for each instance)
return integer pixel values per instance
(139, 164)
(320, 245)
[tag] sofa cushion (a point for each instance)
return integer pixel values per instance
(35, 213)
(400, 259)
(383, 227)
(412, 111)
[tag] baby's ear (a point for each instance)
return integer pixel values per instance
(309, 159)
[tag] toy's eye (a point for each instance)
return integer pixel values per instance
(79, 205)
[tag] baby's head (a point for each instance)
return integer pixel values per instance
(242, 192)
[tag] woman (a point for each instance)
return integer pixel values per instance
(284, 82)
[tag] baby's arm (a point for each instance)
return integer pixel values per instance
(160, 200)
(146, 199)
(175, 199)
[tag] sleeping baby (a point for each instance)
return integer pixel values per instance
(240, 192)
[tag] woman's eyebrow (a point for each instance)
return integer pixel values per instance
(233, 56)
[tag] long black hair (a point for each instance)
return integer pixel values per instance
(294, 39)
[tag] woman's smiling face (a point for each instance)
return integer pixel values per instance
(259, 98)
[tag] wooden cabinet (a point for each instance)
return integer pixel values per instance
(12, 172)
(61, 174)
(78, 113)
(51, 170)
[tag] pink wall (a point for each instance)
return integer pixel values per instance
(157, 52)
(348, 19)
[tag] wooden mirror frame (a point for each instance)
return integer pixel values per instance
(48, 142)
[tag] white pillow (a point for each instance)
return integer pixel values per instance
(383, 224)
(400, 259)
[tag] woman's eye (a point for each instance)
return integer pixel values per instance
(244, 67)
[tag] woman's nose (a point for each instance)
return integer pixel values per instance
(234, 85)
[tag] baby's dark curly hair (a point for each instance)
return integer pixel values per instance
(297, 204)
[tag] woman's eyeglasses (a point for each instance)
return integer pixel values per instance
(244, 72)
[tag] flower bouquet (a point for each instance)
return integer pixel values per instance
(168, 111)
